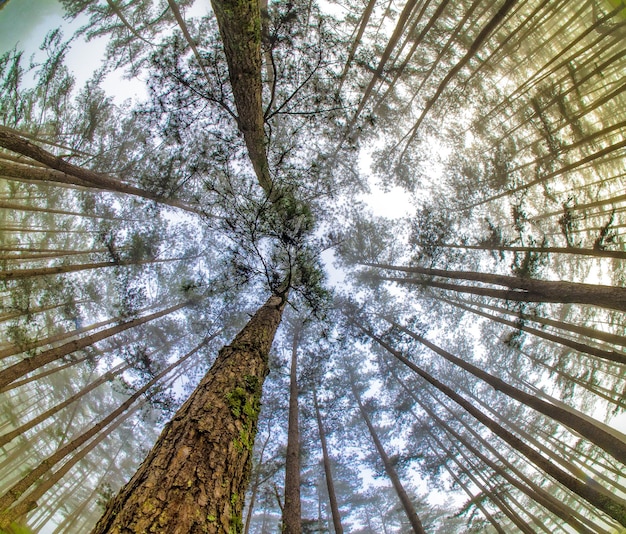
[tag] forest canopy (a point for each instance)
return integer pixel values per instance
(337, 266)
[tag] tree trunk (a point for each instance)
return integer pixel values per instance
(19, 369)
(65, 172)
(607, 504)
(596, 253)
(609, 355)
(612, 297)
(195, 477)
(18, 489)
(537, 493)
(605, 438)
(240, 28)
(414, 520)
(332, 496)
(292, 511)
(9, 436)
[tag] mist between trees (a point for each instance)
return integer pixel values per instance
(173, 356)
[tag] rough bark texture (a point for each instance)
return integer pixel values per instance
(195, 477)
(292, 510)
(239, 22)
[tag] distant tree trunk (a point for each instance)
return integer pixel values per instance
(610, 355)
(332, 496)
(536, 492)
(19, 488)
(474, 47)
(362, 25)
(64, 269)
(411, 514)
(526, 486)
(292, 512)
(578, 422)
(603, 502)
(613, 297)
(65, 172)
(583, 331)
(6, 438)
(596, 253)
(17, 349)
(472, 497)
(30, 502)
(403, 20)
(17, 370)
(43, 374)
(195, 477)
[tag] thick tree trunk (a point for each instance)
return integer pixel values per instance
(194, 479)
(240, 28)
(332, 496)
(411, 514)
(292, 510)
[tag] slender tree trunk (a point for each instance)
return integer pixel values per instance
(30, 502)
(65, 172)
(292, 511)
(596, 253)
(18, 349)
(332, 496)
(195, 477)
(19, 369)
(536, 492)
(612, 297)
(472, 497)
(609, 355)
(605, 438)
(9, 436)
(603, 502)
(18, 489)
(474, 47)
(43, 374)
(409, 510)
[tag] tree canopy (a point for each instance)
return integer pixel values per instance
(340, 266)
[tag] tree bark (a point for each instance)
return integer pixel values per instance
(332, 496)
(292, 510)
(195, 477)
(240, 28)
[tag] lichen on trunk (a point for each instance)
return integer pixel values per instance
(195, 477)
